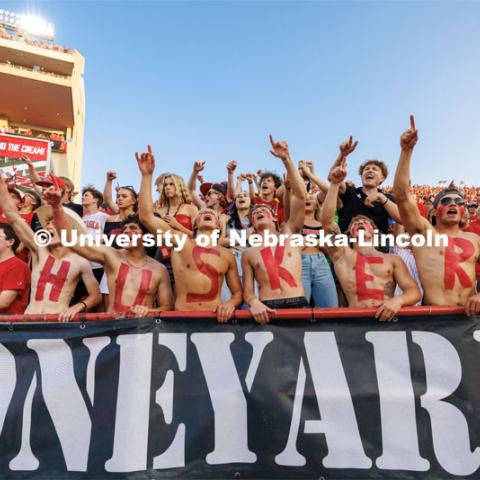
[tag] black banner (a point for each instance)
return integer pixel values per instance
(188, 398)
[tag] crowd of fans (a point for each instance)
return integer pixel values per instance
(223, 273)
(34, 43)
(57, 140)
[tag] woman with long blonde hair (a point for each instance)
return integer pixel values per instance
(175, 207)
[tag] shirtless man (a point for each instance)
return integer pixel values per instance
(367, 276)
(55, 269)
(278, 270)
(448, 272)
(136, 282)
(199, 271)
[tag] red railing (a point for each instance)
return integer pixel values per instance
(297, 313)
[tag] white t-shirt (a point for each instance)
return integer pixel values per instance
(95, 223)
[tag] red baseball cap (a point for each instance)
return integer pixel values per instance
(50, 180)
(205, 187)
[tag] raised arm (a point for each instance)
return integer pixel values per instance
(146, 165)
(306, 168)
(53, 196)
(231, 166)
(297, 187)
(345, 149)
(21, 227)
(410, 216)
(251, 188)
(192, 184)
(32, 173)
(107, 192)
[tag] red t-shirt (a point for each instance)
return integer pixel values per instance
(15, 275)
(275, 205)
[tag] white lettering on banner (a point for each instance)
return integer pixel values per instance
(95, 345)
(8, 380)
(397, 403)
(30, 149)
(290, 456)
(451, 439)
(64, 401)
(174, 456)
(70, 415)
(226, 393)
(338, 423)
(133, 404)
(26, 460)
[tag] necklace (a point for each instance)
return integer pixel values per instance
(135, 266)
(176, 211)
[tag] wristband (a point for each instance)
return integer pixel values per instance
(385, 202)
(84, 309)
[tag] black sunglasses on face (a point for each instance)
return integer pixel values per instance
(449, 200)
(129, 187)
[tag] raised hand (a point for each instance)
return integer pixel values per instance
(117, 187)
(198, 167)
(310, 166)
(409, 138)
(231, 166)
(26, 159)
(146, 161)
(348, 146)
(260, 172)
(53, 195)
(338, 173)
(279, 149)
(303, 168)
(111, 175)
(200, 178)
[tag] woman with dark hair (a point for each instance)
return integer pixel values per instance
(124, 205)
(238, 220)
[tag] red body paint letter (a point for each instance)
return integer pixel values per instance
(209, 271)
(362, 277)
(57, 280)
(453, 260)
(274, 268)
(120, 281)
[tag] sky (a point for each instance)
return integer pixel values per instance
(209, 80)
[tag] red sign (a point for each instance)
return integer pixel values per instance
(14, 147)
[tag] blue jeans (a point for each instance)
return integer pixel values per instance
(317, 280)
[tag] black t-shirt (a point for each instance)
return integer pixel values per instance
(78, 209)
(353, 204)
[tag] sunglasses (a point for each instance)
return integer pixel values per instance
(129, 187)
(449, 200)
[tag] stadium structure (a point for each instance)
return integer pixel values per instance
(42, 99)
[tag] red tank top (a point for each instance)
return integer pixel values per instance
(183, 220)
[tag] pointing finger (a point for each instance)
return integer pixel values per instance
(149, 148)
(271, 140)
(412, 122)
